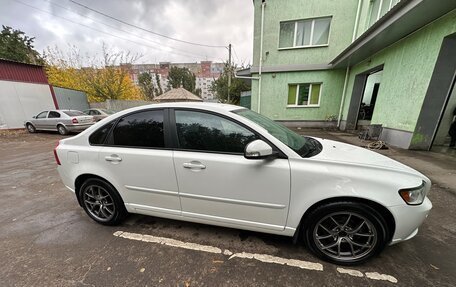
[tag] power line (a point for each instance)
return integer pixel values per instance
(113, 27)
(88, 27)
(144, 29)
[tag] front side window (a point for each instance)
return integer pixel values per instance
(304, 33)
(142, 129)
(304, 94)
(42, 115)
(207, 132)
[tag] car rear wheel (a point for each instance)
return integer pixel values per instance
(62, 130)
(30, 128)
(101, 202)
(345, 233)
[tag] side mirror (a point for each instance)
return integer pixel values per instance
(34, 117)
(258, 149)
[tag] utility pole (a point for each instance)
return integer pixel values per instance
(229, 71)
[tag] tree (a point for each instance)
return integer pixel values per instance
(220, 86)
(182, 77)
(102, 78)
(146, 85)
(16, 46)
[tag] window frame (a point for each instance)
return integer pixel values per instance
(108, 140)
(175, 138)
(311, 33)
(310, 93)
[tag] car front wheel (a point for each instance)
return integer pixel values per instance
(345, 233)
(30, 128)
(101, 202)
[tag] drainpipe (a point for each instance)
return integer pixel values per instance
(358, 11)
(263, 4)
(343, 96)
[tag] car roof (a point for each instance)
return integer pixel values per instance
(201, 105)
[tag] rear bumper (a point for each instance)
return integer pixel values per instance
(67, 181)
(78, 128)
(408, 219)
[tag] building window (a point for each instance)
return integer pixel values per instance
(378, 8)
(304, 33)
(307, 95)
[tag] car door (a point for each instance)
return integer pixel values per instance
(40, 120)
(53, 119)
(136, 157)
(217, 183)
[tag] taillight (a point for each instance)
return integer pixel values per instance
(74, 121)
(57, 160)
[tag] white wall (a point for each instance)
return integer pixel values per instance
(20, 101)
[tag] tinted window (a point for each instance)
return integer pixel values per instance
(41, 115)
(74, 113)
(99, 136)
(144, 129)
(53, 115)
(208, 132)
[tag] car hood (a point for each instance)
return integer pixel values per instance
(346, 153)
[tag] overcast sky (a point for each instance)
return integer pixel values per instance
(209, 22)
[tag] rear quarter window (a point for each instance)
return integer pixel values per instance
(98, 137)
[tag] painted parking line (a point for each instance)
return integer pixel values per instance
(254, 256)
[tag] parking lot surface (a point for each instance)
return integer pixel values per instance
(47, 240)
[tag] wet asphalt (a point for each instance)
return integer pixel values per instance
(47, 240)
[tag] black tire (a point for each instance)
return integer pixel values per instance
(62, 130)
(370, 238)
(119, 213)
(30, 128)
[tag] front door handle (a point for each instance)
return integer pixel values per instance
(113, 158)
(194, 165)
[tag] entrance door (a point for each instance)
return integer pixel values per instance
(369, 99)
(447, 127)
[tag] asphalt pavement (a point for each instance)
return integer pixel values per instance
(47, 240)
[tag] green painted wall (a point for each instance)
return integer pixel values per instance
(340, 34)
(274, 95)
(408, 66)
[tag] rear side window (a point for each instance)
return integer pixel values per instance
(208, 132)
(53, 115)
(98, 137)
(143, 129)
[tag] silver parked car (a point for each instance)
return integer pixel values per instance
(99, 114)
(63, 121)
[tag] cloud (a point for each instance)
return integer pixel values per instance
(212, 22)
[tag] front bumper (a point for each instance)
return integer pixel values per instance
(408, 219)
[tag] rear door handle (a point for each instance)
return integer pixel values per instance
(113, 158)
(194, 165)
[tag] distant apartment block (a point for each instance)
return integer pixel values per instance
(205, 71)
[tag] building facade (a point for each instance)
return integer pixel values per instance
(357, 62)
(205, 72)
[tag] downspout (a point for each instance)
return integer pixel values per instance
(263, 4)
(358, 11)
(344, 91)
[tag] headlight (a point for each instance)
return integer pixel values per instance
(413, 196)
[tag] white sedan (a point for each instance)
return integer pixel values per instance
(226, 165)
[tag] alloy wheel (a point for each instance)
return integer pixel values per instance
(99, 203)
(345, 236)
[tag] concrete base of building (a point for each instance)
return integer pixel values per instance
(397, 138)
(308, 124)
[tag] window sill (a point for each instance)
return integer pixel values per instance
(302, 106)
(303, 47)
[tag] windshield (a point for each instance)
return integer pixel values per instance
(74, 113)
(304, 146)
